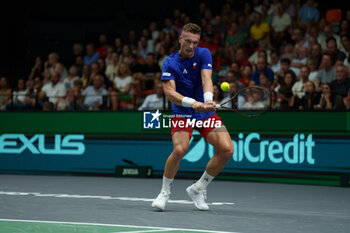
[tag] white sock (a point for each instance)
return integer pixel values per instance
(203, 182)
(166, 184)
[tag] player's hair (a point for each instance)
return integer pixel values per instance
(192, 28)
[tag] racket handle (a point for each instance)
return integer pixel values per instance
(218, 106)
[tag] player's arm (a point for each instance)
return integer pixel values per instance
(170, 92)
(207, 83)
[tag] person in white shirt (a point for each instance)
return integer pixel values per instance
(275, 61)
(281, 21)
(298, 88)
(54, 90)
(94, 94)
(112, 68)
(232, 91)
(155, 101)
(255, 102)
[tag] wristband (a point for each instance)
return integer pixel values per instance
(187, 102)
(208, 96)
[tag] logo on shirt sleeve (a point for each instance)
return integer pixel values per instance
(210, 65)
(166, 74)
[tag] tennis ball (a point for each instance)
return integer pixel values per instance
(225, 86)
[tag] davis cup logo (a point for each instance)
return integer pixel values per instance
(151, 120)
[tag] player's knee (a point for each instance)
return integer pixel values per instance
(227, 151)
(180, 151)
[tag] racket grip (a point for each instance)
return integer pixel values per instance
(218, 106)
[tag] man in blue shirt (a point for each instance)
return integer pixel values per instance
(187, 84)
(262, 66)
(91, 56)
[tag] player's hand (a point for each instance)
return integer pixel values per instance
(210, 106)
(198, 106)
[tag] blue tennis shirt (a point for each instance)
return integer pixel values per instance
(187, 76)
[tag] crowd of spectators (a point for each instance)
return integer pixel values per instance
(301, 55)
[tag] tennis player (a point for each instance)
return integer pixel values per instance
(188, 85)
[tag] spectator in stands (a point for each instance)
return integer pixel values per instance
(74, 98)
(123, 83)
(298, 88)
(327, 74)
(132, 40)
(91, 56)
(168, 25)
(53, 90)
(255, 101)
(285, 89)
(155, 101)
(308, 14)
(241, 57)
(234, 40)
(95, 95)
(316, 54)
(262, 66)
(72, 76)
(37, 70)
(34, 90)
(263, 48)
(102, 50)
(232, 91)
(260, 30)
(52, 65)
(118, 45)
(281, 22)
(311, 64)
(341, 87)
(311, 98)
(344, 29)
(79, 63)
(327, 33)
(153, 29)
(78, 49)
(264, 80)
(246, 76)
(85, 77)
(102, 65)
(275, 61)
(18, 100)
(144, 48)
(300, 61)
(162, 56)
(327, 98)
(337, 56)
(150, 72)
(233, 77)
(289, 52)
(299, 40)
(112, 68)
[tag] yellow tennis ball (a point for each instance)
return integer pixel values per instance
(225, 86)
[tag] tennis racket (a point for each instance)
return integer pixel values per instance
(251, 101)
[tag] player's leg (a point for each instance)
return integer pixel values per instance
(222, 142)
(181, 142)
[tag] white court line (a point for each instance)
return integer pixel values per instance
(61, 195)
(115, 225)
(141, 231)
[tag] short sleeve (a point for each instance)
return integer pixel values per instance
(167, 72)
(205, 59)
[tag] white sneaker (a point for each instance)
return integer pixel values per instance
(161, 200)
(198, 197)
